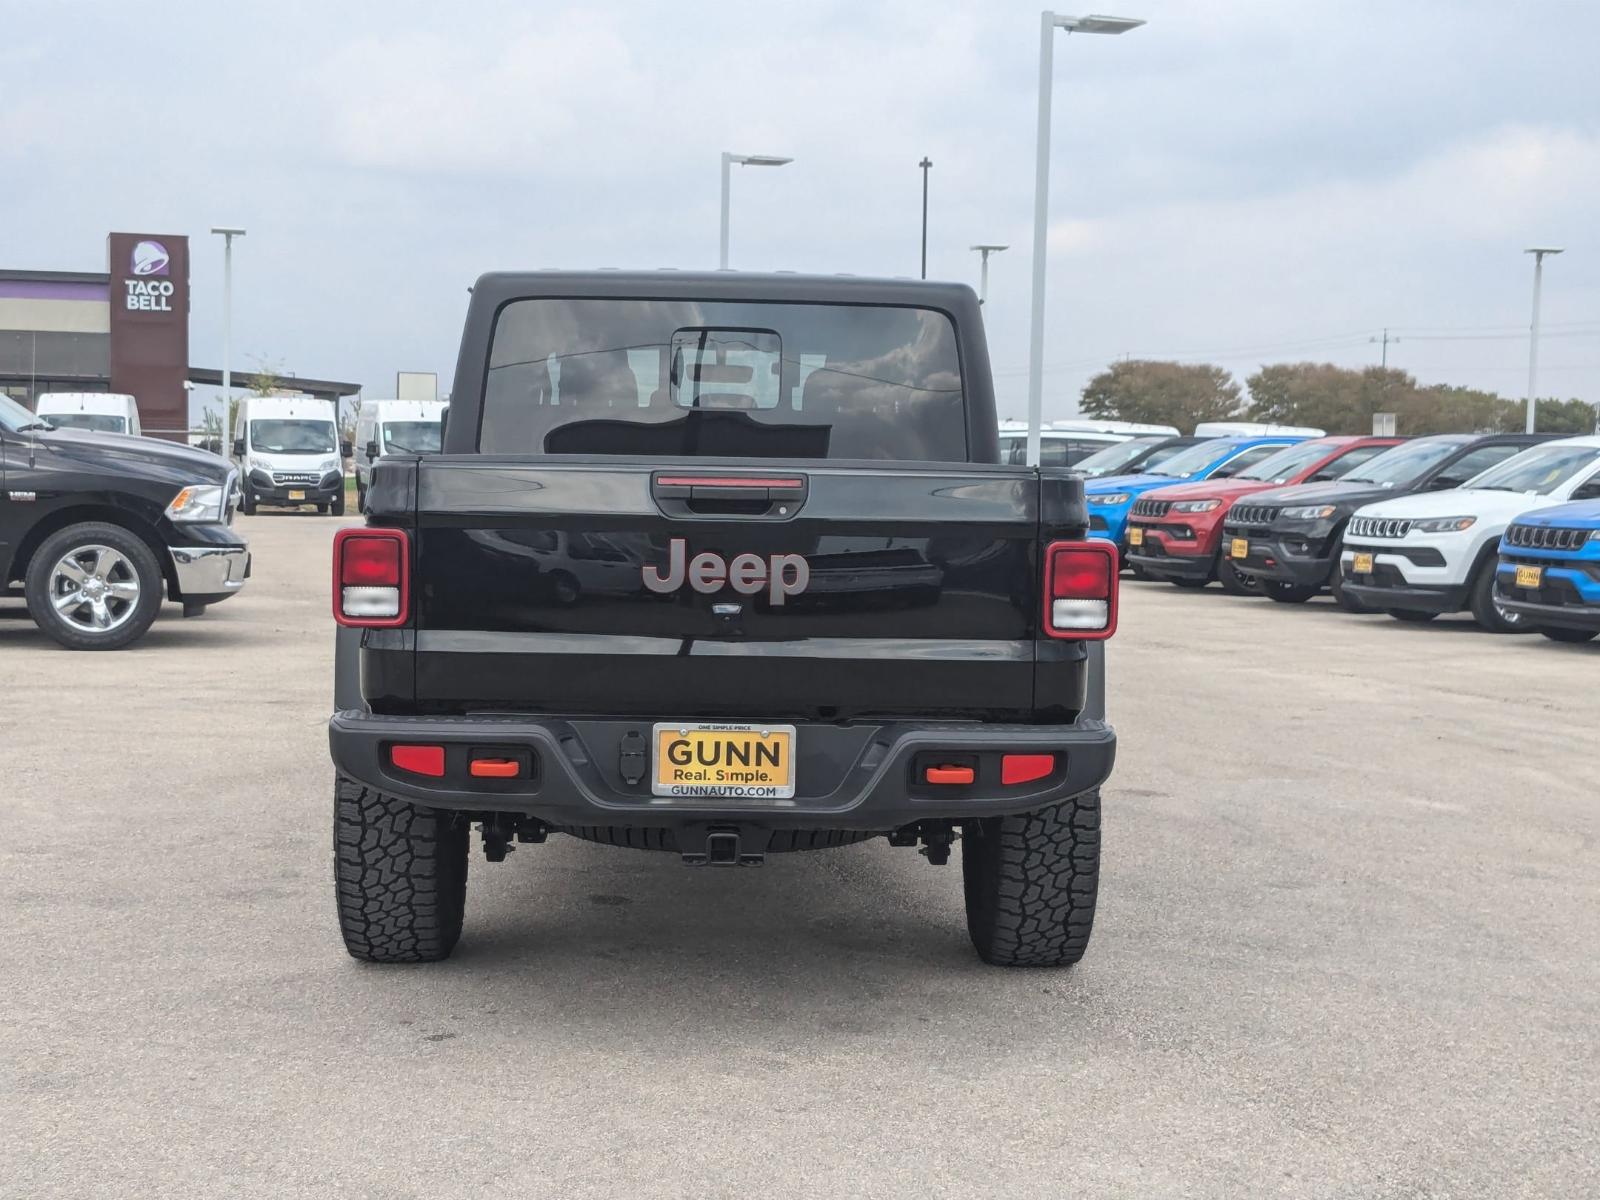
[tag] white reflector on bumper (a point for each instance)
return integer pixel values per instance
(1079, 614)
(370, 601)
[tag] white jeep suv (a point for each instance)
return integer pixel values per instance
(1419, 556)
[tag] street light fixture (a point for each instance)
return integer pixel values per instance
(1538, 253)
(983, 270)
(744, 160)
(228, 233)
(1049, 22)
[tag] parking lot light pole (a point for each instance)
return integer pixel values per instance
(983, 270)
(744, 160)
(228, 234)
(1538, 253)
(1049, 22)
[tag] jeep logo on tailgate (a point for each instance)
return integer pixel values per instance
(783, 575)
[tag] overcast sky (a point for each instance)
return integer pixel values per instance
(1242, 181)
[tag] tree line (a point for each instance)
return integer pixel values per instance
(1337, 399)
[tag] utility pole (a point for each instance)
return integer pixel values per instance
(1385, 339)
(925, 164)
(1538, 253)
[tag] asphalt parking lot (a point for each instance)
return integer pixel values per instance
(1346, 947)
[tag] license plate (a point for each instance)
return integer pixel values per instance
(1529, 577)
(734, 762)
(1240, 548)
(297, 495)
(1362, 564)
(1135, 536)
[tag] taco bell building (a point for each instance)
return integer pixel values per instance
(122, 330)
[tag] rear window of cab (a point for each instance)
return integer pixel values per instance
(741, 379)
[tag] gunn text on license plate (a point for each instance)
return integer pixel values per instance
(1362, 564)
(1240, 548)
(723, 762)
(1528, 577)
(1135, 536)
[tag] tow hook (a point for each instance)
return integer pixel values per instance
(936, 837)
(499, 829)
(723, 846)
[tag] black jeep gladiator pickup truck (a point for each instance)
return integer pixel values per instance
(722, 565)
(95, 526)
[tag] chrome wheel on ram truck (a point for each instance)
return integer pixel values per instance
(94, 586)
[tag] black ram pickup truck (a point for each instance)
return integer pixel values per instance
(725, 566)
(94, 527)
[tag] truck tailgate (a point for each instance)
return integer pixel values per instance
(712, 589)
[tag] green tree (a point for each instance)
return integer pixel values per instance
(1163, 393)
(1337, 399)
(1559, 416)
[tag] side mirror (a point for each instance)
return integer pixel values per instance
(372, 448)
(346, 450)
(1587, 490)
(238, 447)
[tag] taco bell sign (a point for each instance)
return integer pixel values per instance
(150, 325)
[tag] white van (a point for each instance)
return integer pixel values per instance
(1066, 443)
(1211, 429)
(99, 412)
(394, 427)
(288, 453)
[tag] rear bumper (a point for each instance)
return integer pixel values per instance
(850, 777)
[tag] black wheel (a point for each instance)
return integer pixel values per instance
(401, 876)
(361, 496)
(322, 509)
(565, 587)
(1191, 583)
(1486, 610)
(1031, 883)
(1288, 593)
(94, 586)
(337, 507)
(1559, 633)
(247, 501)
(1234, 581)
(1336, 586)
(1415, 615)
(1136, 571)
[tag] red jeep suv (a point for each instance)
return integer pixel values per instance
(1175, 533)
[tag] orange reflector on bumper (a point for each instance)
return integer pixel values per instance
(949, 775)
(496, 768)
(419, 760)
(1025, 768)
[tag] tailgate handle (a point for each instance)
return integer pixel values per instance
(752, 496)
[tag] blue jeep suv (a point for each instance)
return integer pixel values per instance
(1549, 570)
(1111, 497)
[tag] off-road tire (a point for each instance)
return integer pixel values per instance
(400, 874)
(36, 586)
(1484, 610)
(1234, 581)
(1416, 616)
(1562, 633)
(1288, 593)
(1336, 585)
(1031, 883)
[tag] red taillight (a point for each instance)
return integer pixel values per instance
(1080, 594)
(419, 760)
(1025, 768)
(371, 578)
